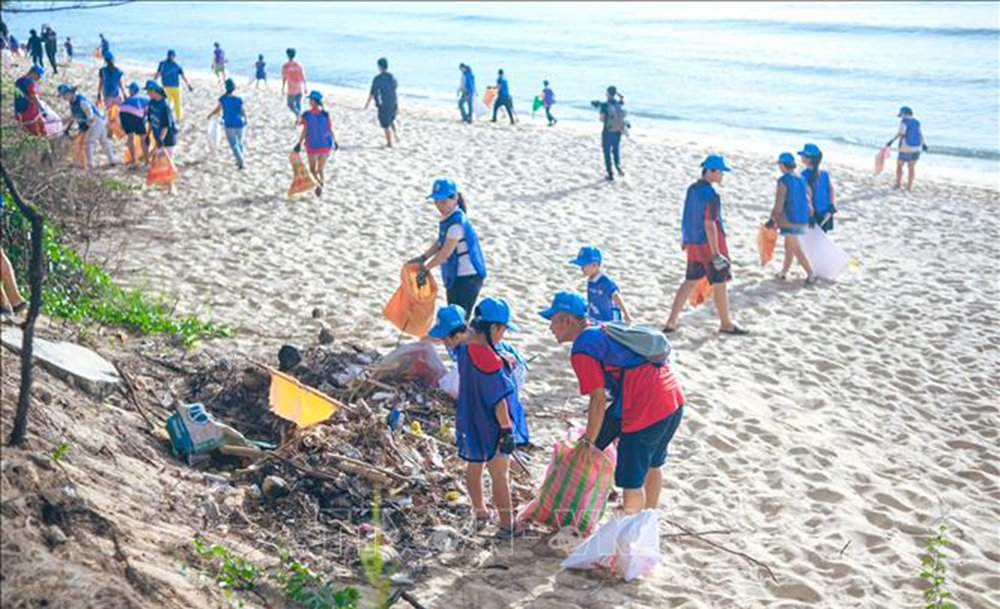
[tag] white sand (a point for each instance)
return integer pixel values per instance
(829, 442)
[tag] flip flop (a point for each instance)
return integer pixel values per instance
(668, 329)
(734, 331)
(516, 531)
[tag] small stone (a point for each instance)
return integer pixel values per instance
(443, 538)
(275, 487)
(43, 395)
(325, 335)
(53, 536)
(318, 313)
(254, 492)
(289, 357)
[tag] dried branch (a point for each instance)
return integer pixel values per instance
(723, 548)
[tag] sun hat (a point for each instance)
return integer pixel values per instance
(588, 254)
(449, 319)
(566, 302)
(495, 311)
(443, 189)
(714, 161)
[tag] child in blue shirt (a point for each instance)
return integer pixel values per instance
(450, 328)
(489, 420)
(261, 73)
(604, 300)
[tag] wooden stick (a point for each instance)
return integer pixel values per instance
(724, 548)
(133, 398)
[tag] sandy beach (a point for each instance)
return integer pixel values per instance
(828, 443)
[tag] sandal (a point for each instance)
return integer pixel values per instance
(17, 309)
(518, 530)
(734, 331)
(668, 329)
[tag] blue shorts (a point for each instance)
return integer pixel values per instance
(639, 451)
(908, 156)
(792, 231)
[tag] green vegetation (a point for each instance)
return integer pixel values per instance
(59, 452)
(82, 292)
(311, 590)
(234, 571)
(933, 571)
(371, 557)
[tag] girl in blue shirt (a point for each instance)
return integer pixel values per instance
(318, 136)
(821, 193)
(792, 213)
(109, 83)
(261, 73)
(489, 420)
(234, 118)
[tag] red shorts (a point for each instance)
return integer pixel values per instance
(699, 263)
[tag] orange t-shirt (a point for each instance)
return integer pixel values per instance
(292, 73)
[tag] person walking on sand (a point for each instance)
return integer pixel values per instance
(69, 50)
(821, 193)
(219, 63)
(109, 83)
(51, 46)
(604, 300)
(613, 118)
(162, 126)
(792, 213)
(456, 249)
(704, 241)
(488, 412)
(646, 406)
(105, 45)
(170, 73)
(466, 91)
(35, 48)
(132, 113)
(234, 118)
(317, 133)
(90, 121)
(383, 91)
(503, 99)
(260, 72)
(548, 100)
(293, 84)
(911, 144)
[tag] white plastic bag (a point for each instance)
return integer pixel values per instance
(449, 382)
(478, 106)
(214, 134)
(629, 546)
(827, 259)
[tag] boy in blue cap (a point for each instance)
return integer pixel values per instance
(792, 213)
(604, 301)
(646, 401)
(450, 328)
(489, 420)
(911, 143)
(703, 238)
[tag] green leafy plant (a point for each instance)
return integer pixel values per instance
(82, 292)
(310, 589)
(933, 571)
(234, 571)
(59, 452)
(371, 556)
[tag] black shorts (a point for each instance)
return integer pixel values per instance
(696, 270)
(386, 116)
(133, 125)
(638, 451)
(465, 291)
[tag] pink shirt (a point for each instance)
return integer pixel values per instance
(292, 73)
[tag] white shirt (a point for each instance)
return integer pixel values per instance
(465, 267)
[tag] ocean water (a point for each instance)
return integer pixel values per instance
(778, 74)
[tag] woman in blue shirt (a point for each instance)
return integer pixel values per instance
(456, 250)
(234, 118)
(821, 193)
(109, 83)
(162, 127)
(792, 213)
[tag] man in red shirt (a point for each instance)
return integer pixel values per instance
(27, 110)
(646, 401)
(293, 84)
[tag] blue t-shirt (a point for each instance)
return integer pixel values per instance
(232, 115)
(170, 73)
(503, 87)
(470, 83)
(112, 79)
(260, 69)
(600, 307)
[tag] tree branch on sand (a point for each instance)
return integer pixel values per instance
(699, 537)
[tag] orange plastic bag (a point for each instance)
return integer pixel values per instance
(701, 294)
(80, 150)
(411, 308)
(489, 96)
(302, 178)
(115, 122)
(161, 169)
(767, 238)
(97, 53)
(137, 143)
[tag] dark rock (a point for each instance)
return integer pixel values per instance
(325, 335)
(288, 357)
(275, 488)
(318, 313)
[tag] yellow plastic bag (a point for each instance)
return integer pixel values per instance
(302, 178)
(161, 169)
(767, 238)
(411, 308)
(701, 294)
(115, 122)
(302, 405)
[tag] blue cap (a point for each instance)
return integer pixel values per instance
(109, 56)
(171, 53)
(587, 255)
(495, 310)
(64, 89)
(904, 110)
(443, 189)
(316, 95)
(134, 88)
(38, 70)
(566, 302)
(786, 158)
(714, 161)
(810, 150)
(152, 85)
(449, 319)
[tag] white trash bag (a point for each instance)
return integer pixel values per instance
(449, 382)
(214, 134)
(827, 259)
(478, 107)
(629, 546)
